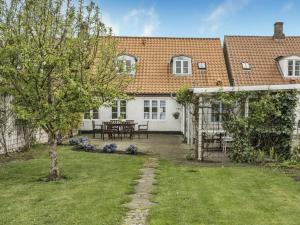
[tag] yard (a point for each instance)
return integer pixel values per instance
(94, 193)
(190, 195)
(98, 186)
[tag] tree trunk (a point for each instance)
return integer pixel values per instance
(54, 171)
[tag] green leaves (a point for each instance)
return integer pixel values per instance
(57, 60)
(269, 124)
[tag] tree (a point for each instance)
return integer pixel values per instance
(57, 60)
(6, 122)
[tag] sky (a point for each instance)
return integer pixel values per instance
(199, 18)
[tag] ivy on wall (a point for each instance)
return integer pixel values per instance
(259, 122)
(266, 127)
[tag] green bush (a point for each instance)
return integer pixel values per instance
(269, 125)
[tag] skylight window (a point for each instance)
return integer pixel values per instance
(246, 66)
(202, 66)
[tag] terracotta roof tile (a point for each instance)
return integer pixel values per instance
(153, 75)
(261, 53)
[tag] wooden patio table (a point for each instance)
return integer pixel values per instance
(118, 127)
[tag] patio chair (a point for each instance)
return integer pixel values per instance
(143, 128)
(128, 128)
(112, 130)
(97, 128)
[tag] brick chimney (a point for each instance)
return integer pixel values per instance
(278, 31)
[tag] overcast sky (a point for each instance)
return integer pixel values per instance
(200, 18)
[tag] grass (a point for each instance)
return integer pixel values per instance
(189, 195)
(94, 193)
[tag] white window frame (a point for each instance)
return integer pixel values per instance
(159, 109)
(220, 112)
(283, 63)
(181, 60)
(91, 114)
(123, 59)
(294, 61)
(119, 110)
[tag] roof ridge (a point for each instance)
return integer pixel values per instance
(258, 36)
(168, 37)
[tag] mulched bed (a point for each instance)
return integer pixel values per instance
(120, 152)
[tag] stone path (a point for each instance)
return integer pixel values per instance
(140, 204)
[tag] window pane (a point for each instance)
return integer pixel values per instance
(178, 67)
(146, 109)
(290, 67)
(114, 110)
(185, 67)
(215, 112)
(128, 65)
(123, 109)
(95, 114)
(162, 114)
(154, 109)
(297, 68)
(87, 115)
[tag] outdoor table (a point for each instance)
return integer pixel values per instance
(119, 127)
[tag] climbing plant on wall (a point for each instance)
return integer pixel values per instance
(266, 123)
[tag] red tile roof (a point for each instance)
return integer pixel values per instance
(261, 53)
(153, 75)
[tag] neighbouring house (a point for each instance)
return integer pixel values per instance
(163, 65)
(254, 63)
(264, 60)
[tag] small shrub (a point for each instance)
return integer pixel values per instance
(132, 149)
(73, 141)
(295, 155)
(110, 148)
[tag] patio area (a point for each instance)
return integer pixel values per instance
(165, 146)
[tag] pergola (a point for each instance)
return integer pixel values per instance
(211, 134)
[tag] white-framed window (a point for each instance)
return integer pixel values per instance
(216, 112)
(118, 109)
(182, 65)
(293, 68)
(289, 66)
(126, 63)
(154, 109)
(91, 114)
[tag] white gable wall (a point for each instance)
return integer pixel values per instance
(135, 111)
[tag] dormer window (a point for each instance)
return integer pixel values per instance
(126, 63)
(182, 65)
(289, 66)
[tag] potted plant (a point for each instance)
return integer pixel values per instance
(176, 115)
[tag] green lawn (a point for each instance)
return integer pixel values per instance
(97, 187)
(189, 195)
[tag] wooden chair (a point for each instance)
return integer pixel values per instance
(97, 128)
(143, 128)
(112, 130)
(128, 128)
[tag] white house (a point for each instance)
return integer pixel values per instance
(163, 65)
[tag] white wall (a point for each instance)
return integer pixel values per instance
(135, 111)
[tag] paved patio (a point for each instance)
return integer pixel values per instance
(165, 146)
(161, 145)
